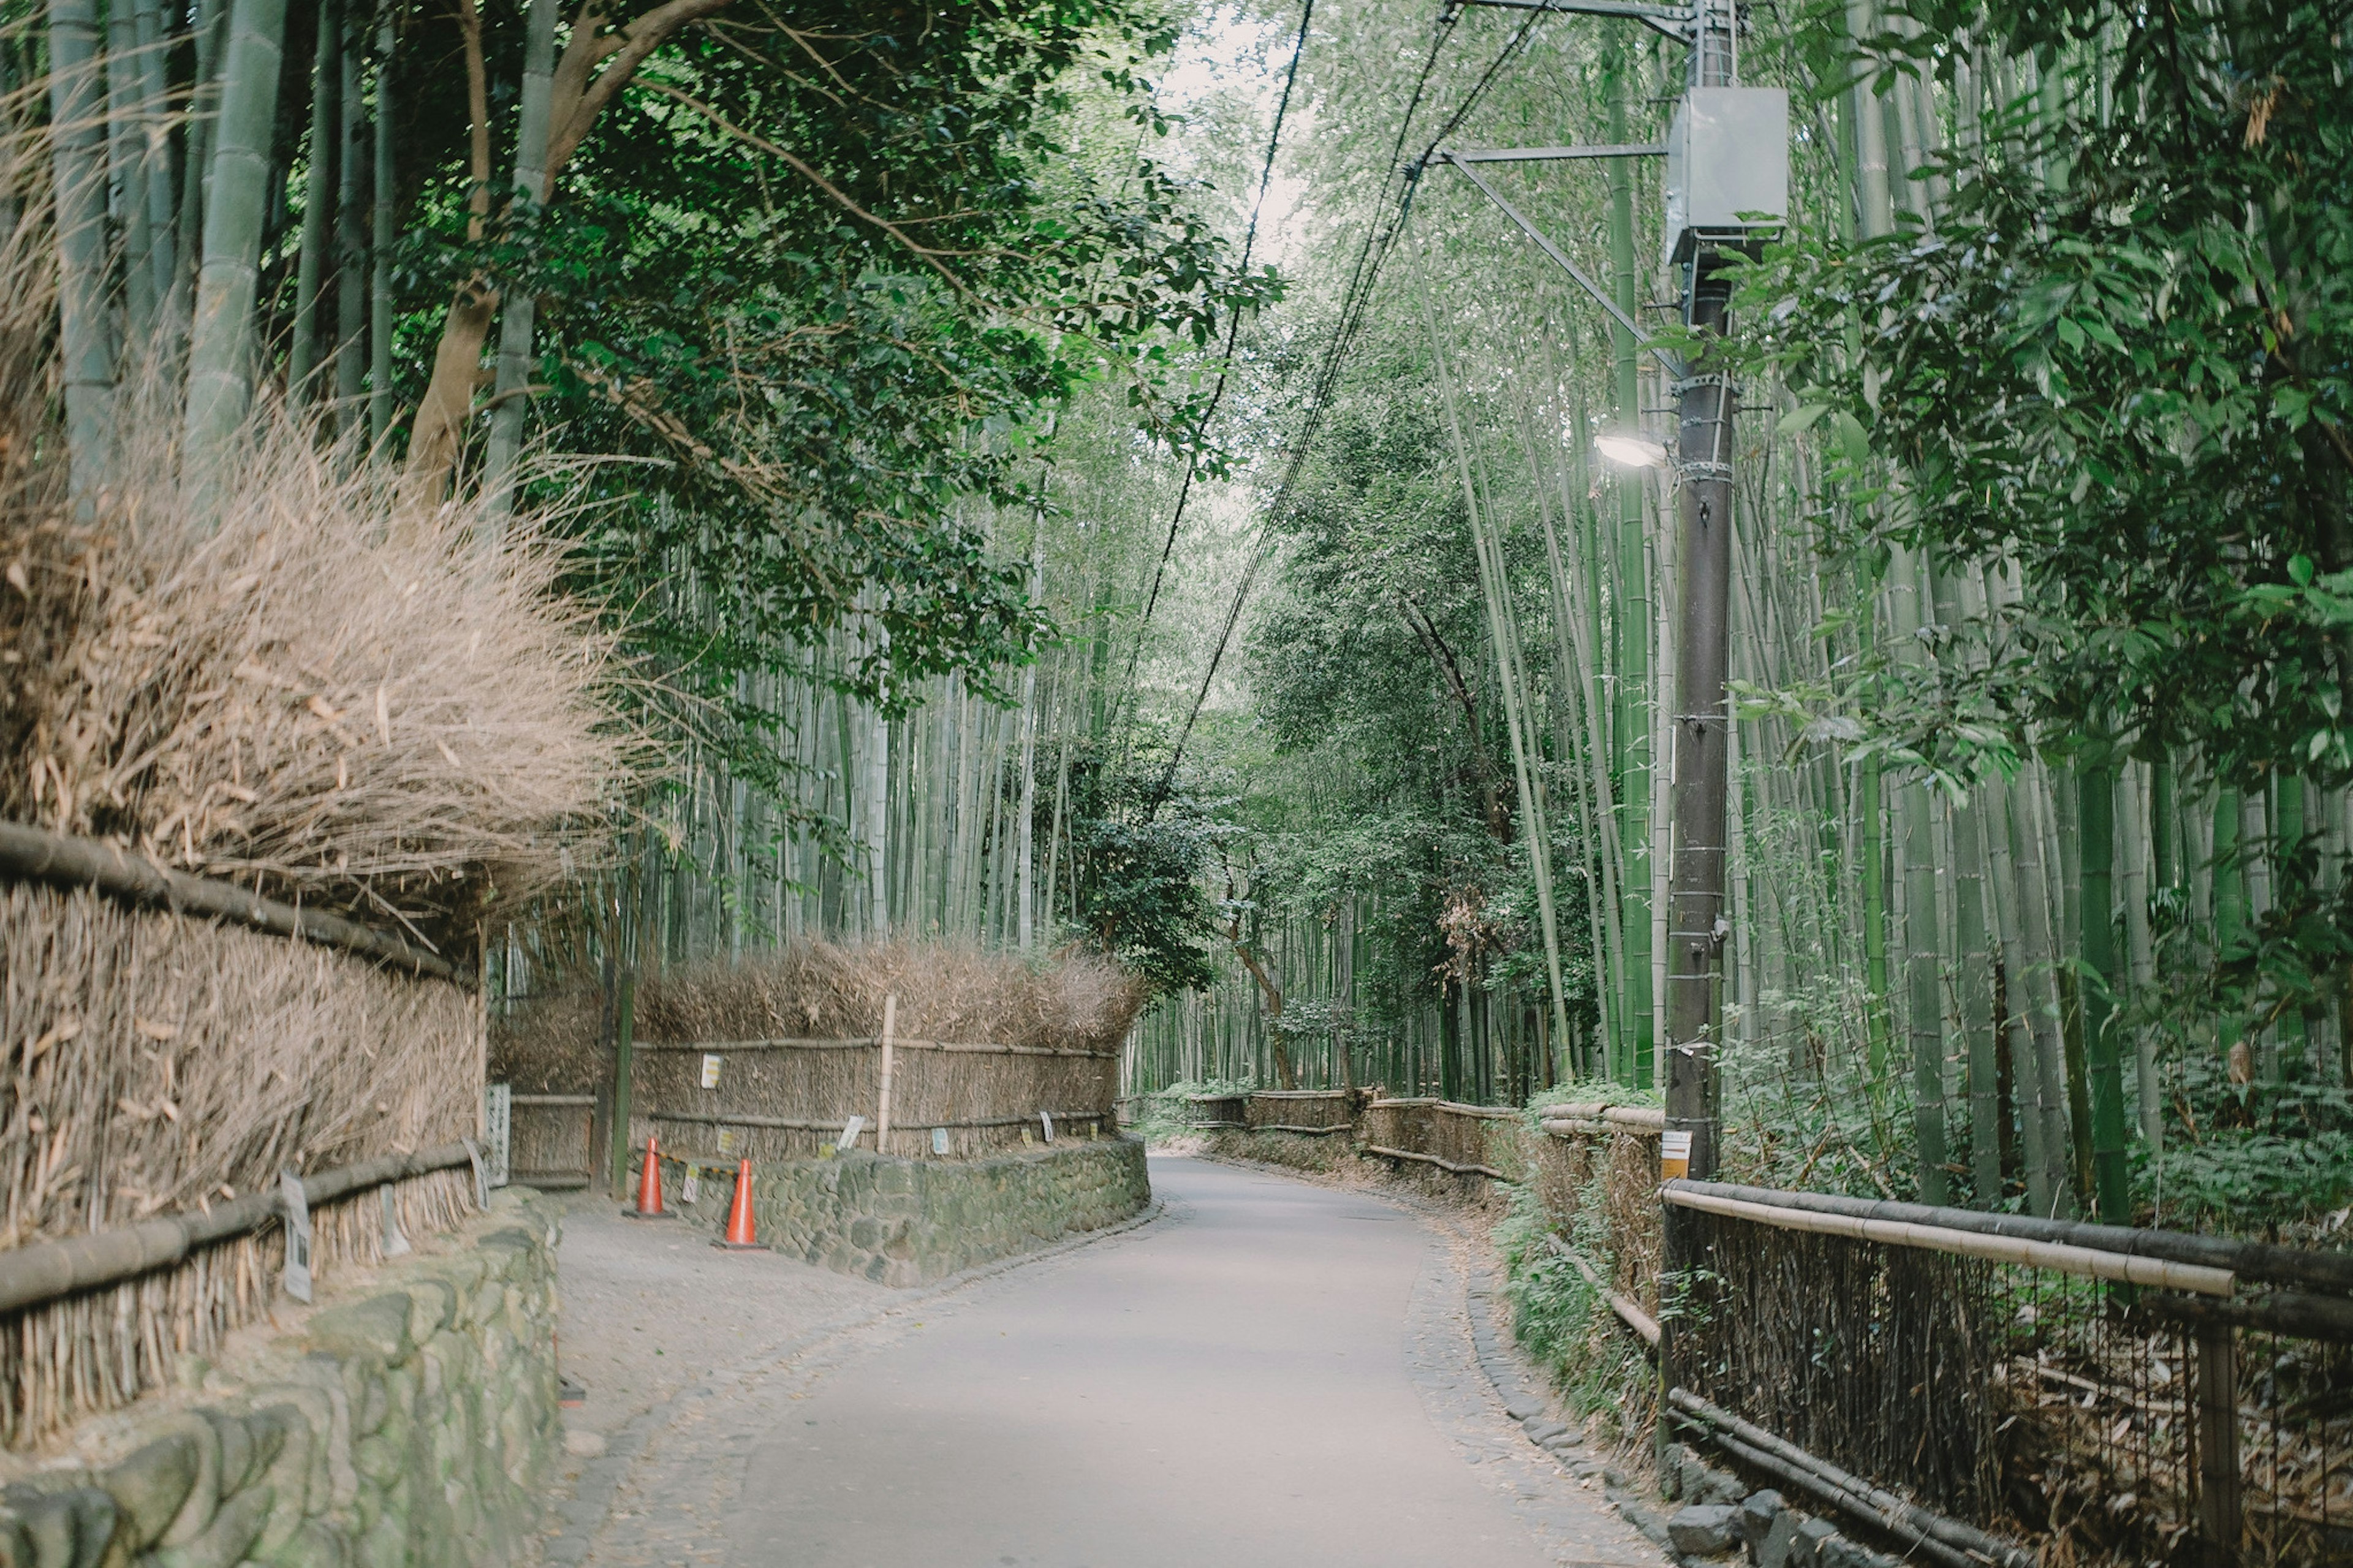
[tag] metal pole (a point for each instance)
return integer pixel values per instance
(1696, 925)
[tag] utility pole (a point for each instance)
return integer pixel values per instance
(1727, 169)
(1706, 404)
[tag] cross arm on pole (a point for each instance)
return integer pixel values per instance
(1553, 154)
(1560, 257)
(1674, 21)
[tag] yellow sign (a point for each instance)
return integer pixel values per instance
(1674, 1154)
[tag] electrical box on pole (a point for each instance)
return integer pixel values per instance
(1727, 154)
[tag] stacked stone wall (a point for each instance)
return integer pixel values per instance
(907, 1222)
(411, 1424)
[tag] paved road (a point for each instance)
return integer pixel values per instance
(1273, 1373)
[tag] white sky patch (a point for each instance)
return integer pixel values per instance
(1228, 59)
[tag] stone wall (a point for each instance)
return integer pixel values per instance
(908, 1222)
(409, 1422)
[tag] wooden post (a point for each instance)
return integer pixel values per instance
(2219, 1516)
(883, 1104)
(600, 1115)
(624, 1025)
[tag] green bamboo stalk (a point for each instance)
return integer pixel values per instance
(2140, 950)
(1630, 740)
(386, 234)
(1871, 857)
(1924, 998)
(196, 175)
(352, 159)
(221, 337)
(1973, 961)
(2045, 1017)
(318, 197)
(2095, 823)
(77, 129)
(163, 243)
(2018, 1030)
(126, 150)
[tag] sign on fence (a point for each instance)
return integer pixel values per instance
(297, 1233)
(498, 1132)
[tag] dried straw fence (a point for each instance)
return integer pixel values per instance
(1312, 1112)
(936, 1049)
(168, 1068)
(782, 1099)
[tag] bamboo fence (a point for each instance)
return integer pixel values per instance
(787, 1098)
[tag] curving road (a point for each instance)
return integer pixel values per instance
(1271, 1372)
(1232, 1385)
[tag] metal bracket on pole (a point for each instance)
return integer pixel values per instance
(1674, 21)
(1553, 154)
(1674, 366)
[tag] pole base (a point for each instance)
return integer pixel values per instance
(739, 1246)
(640, 1213)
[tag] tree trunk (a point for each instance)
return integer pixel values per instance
(519, 314)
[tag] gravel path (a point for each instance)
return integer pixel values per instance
(1269, 1372)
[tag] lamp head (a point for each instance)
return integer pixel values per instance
(1632, 450)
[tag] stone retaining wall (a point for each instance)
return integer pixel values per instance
(908, 1222)
(410, 1423)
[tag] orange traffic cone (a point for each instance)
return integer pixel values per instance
(650, 1204)
(739, 1237)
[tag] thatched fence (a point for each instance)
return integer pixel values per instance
(171, 1067)
(937, 1050)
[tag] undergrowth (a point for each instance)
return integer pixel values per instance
(1563, 1322)
(1166, 1114)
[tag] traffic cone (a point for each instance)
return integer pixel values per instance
(739, 1237)
(650, 1204)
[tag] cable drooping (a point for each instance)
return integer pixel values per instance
(1233, 335)
(1354, 307)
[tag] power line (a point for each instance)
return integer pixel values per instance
(1355, 306)
(1233, 335)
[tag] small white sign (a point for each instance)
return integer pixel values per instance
(939, 1139)
(1674, 1153)
(297, 1233)
(498, 1132)
(1047, 1119)
(727, 1139)
(710, 1070)
(849, 1132)
(691, 1188)
(395, 1240)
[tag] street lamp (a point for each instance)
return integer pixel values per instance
(1632, 450)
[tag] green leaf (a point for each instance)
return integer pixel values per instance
(1855, 439)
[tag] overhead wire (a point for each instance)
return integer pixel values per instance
(1355, 306)
(1233, 336)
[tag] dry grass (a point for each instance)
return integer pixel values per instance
(160, 1059)
(945, 991)
(318, 697)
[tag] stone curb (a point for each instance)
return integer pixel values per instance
(588, 1507)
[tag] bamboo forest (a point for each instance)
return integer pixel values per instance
(1188, 536)
(1702, 647)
